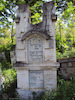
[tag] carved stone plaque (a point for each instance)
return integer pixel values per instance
(36, 79)
(35, 50)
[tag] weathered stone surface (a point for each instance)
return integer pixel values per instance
(50, 79)
(20, 45)
(49, 44)
(36, 66)
(23, 79)
(13, 57)
(27, 94)
(23, 94)
(67, 67)
(20, 55)
(36, 79)
(35, 52)
(67, 60)
(50, 55)
(42, 33)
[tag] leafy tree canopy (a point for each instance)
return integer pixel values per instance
(7, 8)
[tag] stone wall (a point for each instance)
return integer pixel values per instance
(67, 67)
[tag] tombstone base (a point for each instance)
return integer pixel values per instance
(28, 94)
(37, 80)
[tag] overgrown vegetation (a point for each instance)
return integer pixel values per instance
(9, 80)
(66, 54)
(65, 91)
(9, 84)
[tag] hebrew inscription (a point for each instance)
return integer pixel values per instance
(35, 50)
(36, 79)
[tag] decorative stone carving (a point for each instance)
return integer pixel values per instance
(41, 33)
(35, 50)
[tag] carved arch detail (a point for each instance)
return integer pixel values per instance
(42, 33)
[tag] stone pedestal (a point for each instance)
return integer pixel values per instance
(35, 78)
(35, 52)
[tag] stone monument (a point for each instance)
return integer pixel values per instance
(35, 52)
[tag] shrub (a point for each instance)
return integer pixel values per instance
(66, 54)
(9, 79)
(5, 65)
(65, 91)
(9, 83)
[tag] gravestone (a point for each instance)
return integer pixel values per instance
(35, 52)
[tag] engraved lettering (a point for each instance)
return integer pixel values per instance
(35, 50)
(36, 79)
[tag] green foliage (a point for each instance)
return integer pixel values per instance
(58, 55)
(7, 55)
(9, 83)
(7, 11)
(66, 54)
(5, 65)
(65, 31)
(60, 36)
(69, 12)
(65, 91)
(1, 6)
(36, 12)
(9, 79)
(5, 39)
